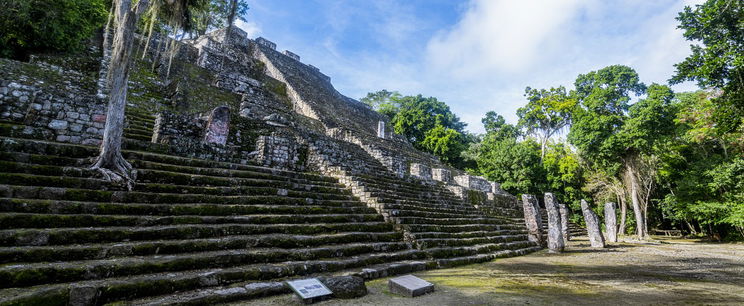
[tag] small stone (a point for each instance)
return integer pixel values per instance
(76, 127)
(73, 115)
(63, 138)
(346, 287)
(23, 99)
(58, 124)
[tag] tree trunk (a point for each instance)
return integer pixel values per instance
(110, 162)
(635, 199)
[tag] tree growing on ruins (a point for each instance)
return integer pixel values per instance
(124, 18)
(547, 112)
(384, 102)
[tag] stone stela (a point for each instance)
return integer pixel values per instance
(218, 126)
(310, 290)
(410, 286)
(381, 129)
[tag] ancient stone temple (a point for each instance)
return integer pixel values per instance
(251, 170)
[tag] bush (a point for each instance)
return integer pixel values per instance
(32, 26)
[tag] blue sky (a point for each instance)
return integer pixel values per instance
(476, 55)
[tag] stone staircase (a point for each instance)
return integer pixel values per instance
(139, 125)
(190, 230)
(450, 230)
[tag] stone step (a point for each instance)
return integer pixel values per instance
(160, 247)
(76, 194)
(39, 147)
(144, 285)
(24, 220)
(30, 274)
(171, 178)
(455, 228)
(63, 166)
(463, 235)
(252, 290)
(479, 258)
(138, 137)
(177, 209)
(133, 130)
(508, 236)
(460, 251)
(448, 221)
(448, 209)
(62, 236)
(431, 214)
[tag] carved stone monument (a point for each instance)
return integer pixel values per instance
(555, 235)
(409, 285)
(218, 126)
(381, 129)
(592, 226)
(564, 222)
(610, 222)
(532, 219)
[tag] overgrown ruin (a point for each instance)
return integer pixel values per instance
(251, 170)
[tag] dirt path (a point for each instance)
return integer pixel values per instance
(674, 272)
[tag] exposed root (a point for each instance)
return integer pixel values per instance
(118, 171)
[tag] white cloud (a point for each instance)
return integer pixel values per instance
(499, 35)
(252, 28)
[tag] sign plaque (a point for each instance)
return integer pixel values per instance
(310, 290)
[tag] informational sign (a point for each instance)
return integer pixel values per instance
(310, 290)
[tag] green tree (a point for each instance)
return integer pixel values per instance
(564, 173)
(418, 115)
(501, 157)
(33, 26)
(126, 15)
(717, 59)
(547, 112)
(385, 102)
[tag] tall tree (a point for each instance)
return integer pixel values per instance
(547, 112)
(717, 59)
(384, 102)
(603, 105)
(110, 162)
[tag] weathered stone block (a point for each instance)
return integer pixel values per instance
(473, 182)
(441, 175)
(420, 171)
(410, 286)
(532, 219)
(346, 287)
(592, 226)
(381, 129)
(555, 235)
(610, 221)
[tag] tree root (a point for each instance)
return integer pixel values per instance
(118, 170)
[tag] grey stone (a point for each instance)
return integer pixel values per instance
(83, 295)
(346, 287)
(563, 209)
(58, 124)
(610, 221)
(532, 219)
(76, 127)
(592, 226)
(310, 290)
(410, 286)
(381, 129)
(555, 235)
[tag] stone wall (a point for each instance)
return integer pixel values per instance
(48, 97)
(281, 152)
